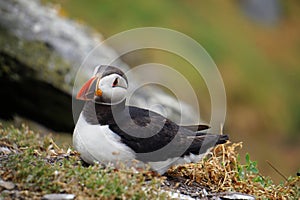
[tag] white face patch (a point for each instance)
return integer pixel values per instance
(114, 88)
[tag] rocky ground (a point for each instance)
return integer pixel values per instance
(32, 167)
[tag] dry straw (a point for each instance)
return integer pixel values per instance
(222, 171)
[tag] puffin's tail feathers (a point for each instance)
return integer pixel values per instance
(222, 139)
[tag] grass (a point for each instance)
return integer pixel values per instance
(38, 166)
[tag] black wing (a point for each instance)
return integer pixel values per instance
(155, 138)
(199, 127)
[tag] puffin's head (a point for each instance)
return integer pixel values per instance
(107, 86)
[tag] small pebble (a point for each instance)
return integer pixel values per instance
(5, 150)
(236, 196)
(7, 184)
(58, 197)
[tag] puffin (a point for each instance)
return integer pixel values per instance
(110, 132)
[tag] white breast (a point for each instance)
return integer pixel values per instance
(97, 143)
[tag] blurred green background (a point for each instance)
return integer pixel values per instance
(258, 57)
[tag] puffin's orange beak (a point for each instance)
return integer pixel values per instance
(88, 90)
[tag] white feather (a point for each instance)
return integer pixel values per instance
(162, 166)
(98, 143)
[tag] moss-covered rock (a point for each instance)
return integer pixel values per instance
(32, 83)
(34, 59)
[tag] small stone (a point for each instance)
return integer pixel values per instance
(7, 184)
(58, 197)
(5, 150)
(205, 193)
(235, 195)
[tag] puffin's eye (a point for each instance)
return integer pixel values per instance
(115, 83)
